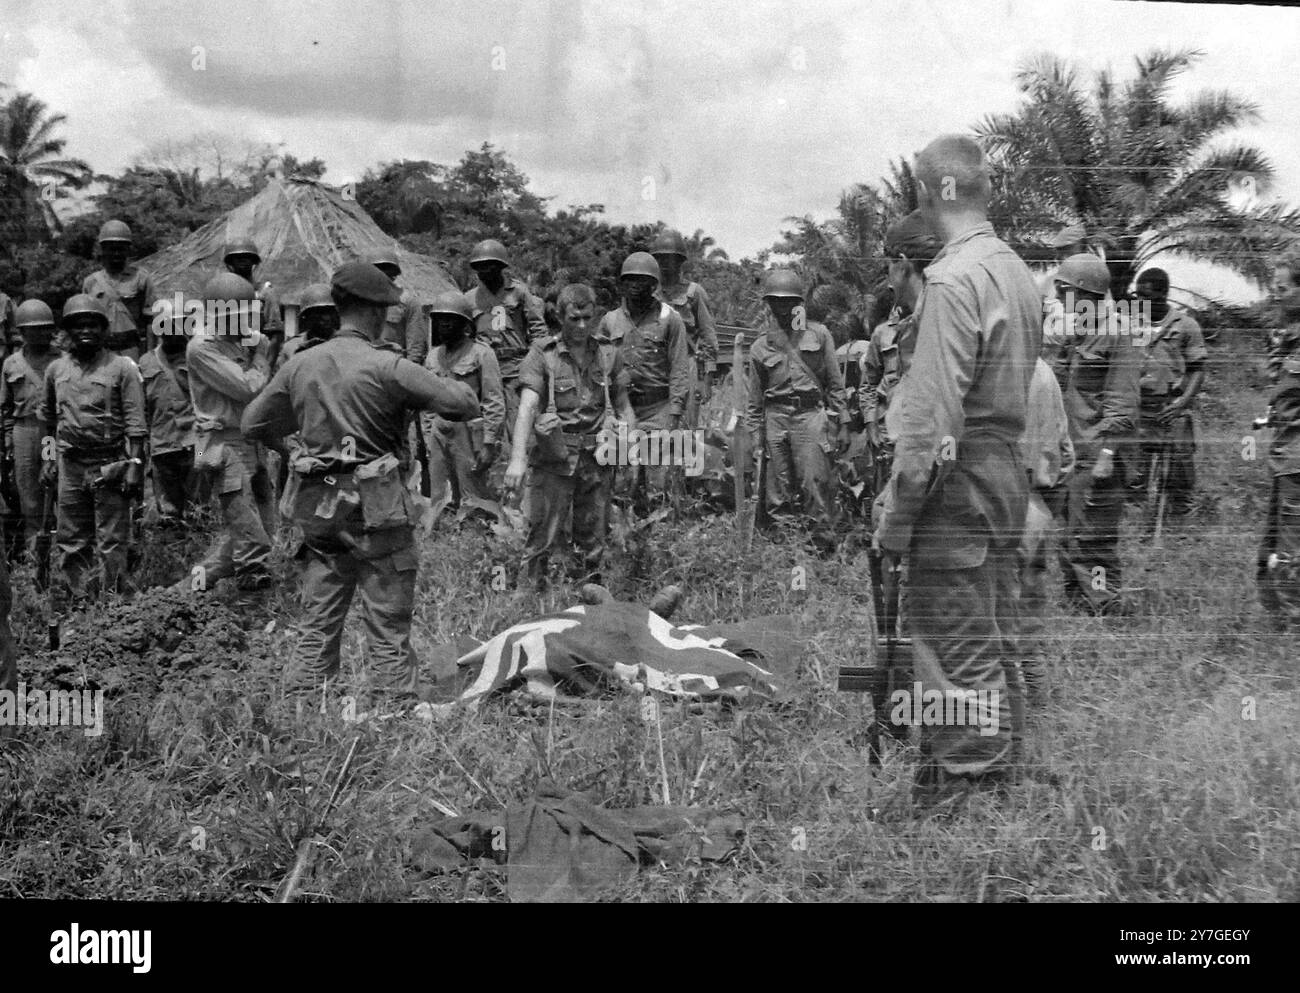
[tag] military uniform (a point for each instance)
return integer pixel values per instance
(129, 298)
(22, 385)
(1048, 456)
(170, 413)
(957, 498)
(797, 411)
(455, 445)
(887, 356)
(508, 322)
(224, 376)
(1278, 563)
(1168, 351)
(407, 326)
(582, 398)
(92, 409)
(1101, 400)
(348, 401)
(657, 361)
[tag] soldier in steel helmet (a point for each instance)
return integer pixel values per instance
(405, 324)
(241, 257)
(229, 363)
(126, 291)
(349, 403)
(1100, 391)
(22, 386)
(170, 413)
(692, 305)
(796, 406)
(507, 317)
(93, 448)
(461, 453)
(318, 319)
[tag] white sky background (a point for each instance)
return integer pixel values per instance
(742, 111)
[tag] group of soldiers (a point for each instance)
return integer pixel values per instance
(986, 413)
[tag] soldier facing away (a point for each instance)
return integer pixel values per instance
(349, 403)
(582, 381)
(93, 408)
(126, 291)
(957, 499)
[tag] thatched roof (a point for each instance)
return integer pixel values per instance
(304, 230)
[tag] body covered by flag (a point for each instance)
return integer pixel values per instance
(588, 649)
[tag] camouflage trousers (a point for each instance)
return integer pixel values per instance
(239, 478)
(1278, 562)
(381, 569)
(552, 495)
(1090, 556)
(91, 519)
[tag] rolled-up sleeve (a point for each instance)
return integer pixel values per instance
(707, 338)
(135, 422)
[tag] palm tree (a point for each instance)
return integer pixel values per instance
(32, 158)
(1139, 173)
(704, 248)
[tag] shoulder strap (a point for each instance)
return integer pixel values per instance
(603, 351)
(794, 353)
(549, 359)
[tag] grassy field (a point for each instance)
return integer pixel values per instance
(1167, 741)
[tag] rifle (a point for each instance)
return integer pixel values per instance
(879, 680)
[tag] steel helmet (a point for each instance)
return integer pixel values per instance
(114, 230)
(84, 303)
(668, 242)
(451, 303)
(33, 314)
(384, 256)
(229, 286)
(316, 297)
(782, 283)
(241, 246)
(640, 264)
(489, 251)
(1085, 272)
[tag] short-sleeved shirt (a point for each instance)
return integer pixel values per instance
(654, 354)
(692, 306)
(508, 322)
(1167, 349)
(475, 365)
(775, 379)
(128, 297)
(94, 405)
(167, 401)
(579, 393)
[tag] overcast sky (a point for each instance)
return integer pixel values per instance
(733, 114)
